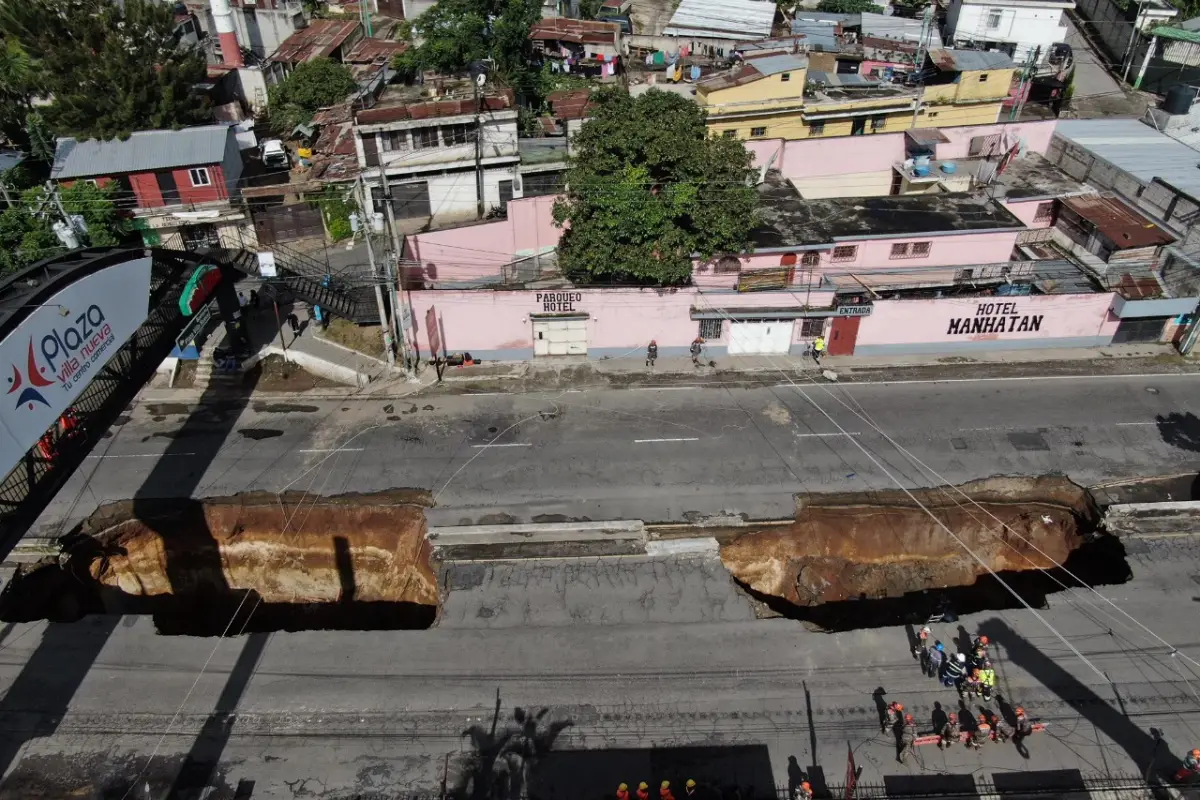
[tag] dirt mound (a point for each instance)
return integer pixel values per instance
(326, 558)
(882, 544)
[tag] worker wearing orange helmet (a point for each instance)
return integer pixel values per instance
(949, 734)
(623, 792)
(891, 717)
(664, 791)
(643, 791)
(1190, 769)
(908, 738)
(983, 732)
(804, 791)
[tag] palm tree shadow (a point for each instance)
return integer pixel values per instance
(503, 757)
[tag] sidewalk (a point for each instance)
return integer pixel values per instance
(580, 373)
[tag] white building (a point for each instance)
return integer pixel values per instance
(1016, 27)
(425, 143)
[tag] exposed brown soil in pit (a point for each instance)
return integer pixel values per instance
(882, 544)
(267, 562)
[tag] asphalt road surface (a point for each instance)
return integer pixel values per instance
(647, 667)
(656, 455)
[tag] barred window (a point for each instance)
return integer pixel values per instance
(845, 252)
(711, 329)
(1045, 212)
(811, 259)
(812, 327)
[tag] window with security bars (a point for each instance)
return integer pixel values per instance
(811, 259)
(845, 252)
(812, 327)
(711, 329)
(1045, 212)
(425, 138)
(910, 250)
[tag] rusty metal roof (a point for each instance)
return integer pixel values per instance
(563, 29)
(319, 40)
(753, 69)
(374, 51)
(570, 103)
(497, 99)
(1122, 225)
(968, 60)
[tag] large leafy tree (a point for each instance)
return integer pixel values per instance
(26, 232)
(108, 68)
(849, 7)
(648, 188)
(310, 86)
(18, 87)
(454, 33)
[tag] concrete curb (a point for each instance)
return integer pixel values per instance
(538, 540)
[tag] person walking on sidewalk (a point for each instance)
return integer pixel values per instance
(697, 351)
(294, 323)
(651, 354)
(818, 349)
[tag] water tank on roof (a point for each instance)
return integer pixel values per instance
(922, 170)
(949, 167)
(1179, 99)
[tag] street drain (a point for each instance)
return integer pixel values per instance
(1099, 562)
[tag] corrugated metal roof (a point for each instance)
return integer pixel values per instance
(1137, 149)
(969, 60)
(818, 36)
(1125, 227)
(10, 159)
(722, 19)
(774, 65)
(881, 26)
(143, 151)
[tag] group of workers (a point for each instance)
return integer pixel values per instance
(973, 676)
(664, 791)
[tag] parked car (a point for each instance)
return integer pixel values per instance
(274, 154)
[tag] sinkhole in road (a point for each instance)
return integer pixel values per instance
(870, 559)
(250, 563)
(1098, 562)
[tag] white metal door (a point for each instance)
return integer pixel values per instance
(560, 337)
(760, 338)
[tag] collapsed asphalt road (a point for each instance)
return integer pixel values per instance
(657, 455)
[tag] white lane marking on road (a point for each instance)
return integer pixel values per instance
(144, 455)
(847, 433)
(663, 388)
(333, 450)
(510, 444)
(652, 441)
(1122, 424)
(1140, 376)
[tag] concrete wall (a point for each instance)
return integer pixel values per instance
(1025, 26)
(472, 253)
(1026, 210)
(936, 326)
(621, 322)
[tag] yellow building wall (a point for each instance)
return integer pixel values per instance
(764, 93)
(971, 88)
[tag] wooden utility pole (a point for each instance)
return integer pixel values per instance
(367, 203)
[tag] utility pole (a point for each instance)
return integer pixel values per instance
(919, 60)
(399, 327)
(367, 224)
(1130, 50)
(479, 79)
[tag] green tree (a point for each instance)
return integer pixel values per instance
(453, 33)
(312, 85)
(18, 86)
(590, 9)
(849, 7)
(27, 235)
(648, 188)
(109, 68)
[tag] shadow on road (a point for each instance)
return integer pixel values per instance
(1180, 430)
(1152, 756)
